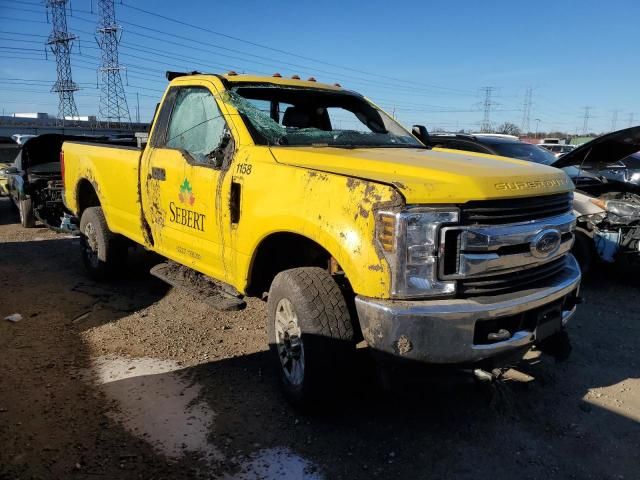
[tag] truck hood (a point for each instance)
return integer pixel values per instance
(432, 176)
(603, 150)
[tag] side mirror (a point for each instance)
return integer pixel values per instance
(421, 133)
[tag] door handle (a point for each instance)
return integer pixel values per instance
(158, 173)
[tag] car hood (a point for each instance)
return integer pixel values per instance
(432, 176)
(603, 150)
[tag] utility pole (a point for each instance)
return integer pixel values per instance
(60, 42)
(587, 116)
(526, 111)
(137, 108)
(113, 101)
(485, 126)
(537, 125)
(614, 120)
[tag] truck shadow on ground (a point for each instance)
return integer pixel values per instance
(235, 418)
(443, 427)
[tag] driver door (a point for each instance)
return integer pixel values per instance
(182, 193)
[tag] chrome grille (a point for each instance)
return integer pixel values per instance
(496, 212)
(511, 282)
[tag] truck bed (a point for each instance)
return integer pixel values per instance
(95, 165)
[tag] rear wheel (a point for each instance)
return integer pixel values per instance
(310, 333)
(102, 250)
(25, 208)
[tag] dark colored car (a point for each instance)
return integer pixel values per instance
(584, 179)
(34, 180)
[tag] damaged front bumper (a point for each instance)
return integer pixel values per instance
(466, 331)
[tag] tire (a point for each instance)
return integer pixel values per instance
(25, 208)
(311, 335)
(584, 251)
(103, 252)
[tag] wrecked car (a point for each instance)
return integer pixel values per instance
(608, 224)
(34, 180)
(8, 152)
(311, 197)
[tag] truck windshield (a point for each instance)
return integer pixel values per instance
(285, 116)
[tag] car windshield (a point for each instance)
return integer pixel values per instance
(286, 116)
(525, 151)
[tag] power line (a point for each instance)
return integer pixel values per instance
(614, 120)
(277, 50)
(526, 110)
(587, 116)
(60, 42)
(485, 126)
(113, 101)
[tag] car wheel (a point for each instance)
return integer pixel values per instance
(310, 334)
(25, 208)
(103, 252)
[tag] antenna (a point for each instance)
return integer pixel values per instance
(60, 42)
(113, 101)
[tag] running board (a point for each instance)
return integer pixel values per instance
(216, 294)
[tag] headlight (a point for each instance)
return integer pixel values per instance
(409, 240)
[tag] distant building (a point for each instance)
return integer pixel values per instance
(34, 116)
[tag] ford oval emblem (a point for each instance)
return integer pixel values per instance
(545, 243)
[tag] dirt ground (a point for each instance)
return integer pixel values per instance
(135, 380)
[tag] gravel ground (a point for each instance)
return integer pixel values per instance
(133, 379)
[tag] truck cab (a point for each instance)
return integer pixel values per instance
(310, 196)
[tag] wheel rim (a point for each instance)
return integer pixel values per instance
(91, 245)
(289, 342)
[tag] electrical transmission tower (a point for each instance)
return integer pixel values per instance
(614, 120)
(485, 126)
(526, 111)
(113, 101)
(60, 42)
(585, 124)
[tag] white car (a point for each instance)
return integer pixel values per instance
(557, 149)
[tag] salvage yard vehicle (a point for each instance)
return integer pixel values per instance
(8, 152)
(34, 180)
(605, 173)
(310, 196)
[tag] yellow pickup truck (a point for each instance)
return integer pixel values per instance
(312, 197)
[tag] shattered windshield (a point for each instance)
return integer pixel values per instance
(287, 116)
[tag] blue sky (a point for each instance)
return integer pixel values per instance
(426, 62)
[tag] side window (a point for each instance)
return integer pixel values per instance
(197, 125)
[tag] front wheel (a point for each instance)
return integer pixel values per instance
(310, 333)
(102, 250)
